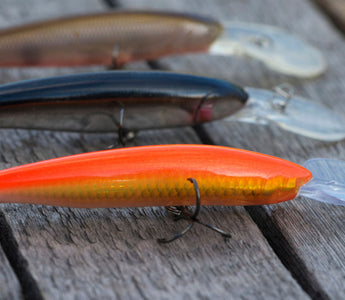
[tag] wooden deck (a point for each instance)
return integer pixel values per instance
(294, 250)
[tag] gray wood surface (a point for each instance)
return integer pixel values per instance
(10, 287)
(292, 250)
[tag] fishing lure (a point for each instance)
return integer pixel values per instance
(123, 36)
(162, 176)
(128, 101)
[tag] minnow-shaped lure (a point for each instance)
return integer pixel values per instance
(157, 176)
(162, 176)
(133, 101)
(93, 102)
(154, 176)
(123, 36)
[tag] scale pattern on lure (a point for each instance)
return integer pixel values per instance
(101, 38)
(155, 176)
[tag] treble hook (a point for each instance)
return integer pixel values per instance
(182, 213)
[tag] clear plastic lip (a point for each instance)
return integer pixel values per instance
(279, 50)
(295, 114)
(328, 183)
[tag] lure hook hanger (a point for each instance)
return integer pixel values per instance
(283, 94)
(122, 132)
(181, 212)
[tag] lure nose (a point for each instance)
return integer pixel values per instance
(257, 179)
(295, 177)
(305, 177)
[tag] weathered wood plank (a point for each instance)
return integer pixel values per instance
(113, 252)
(10, 287)
(313, 231)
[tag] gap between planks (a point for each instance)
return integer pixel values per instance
(29, 286)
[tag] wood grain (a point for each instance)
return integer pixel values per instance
(10, 287)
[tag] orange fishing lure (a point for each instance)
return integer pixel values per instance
(155, 176)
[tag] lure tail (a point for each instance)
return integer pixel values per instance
(328, 183)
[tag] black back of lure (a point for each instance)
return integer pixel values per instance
(94, 102)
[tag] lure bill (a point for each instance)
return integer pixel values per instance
(114, 100)
(291, 113)
(328, 183)
(120, 37)
(155, 176)
(279, 50)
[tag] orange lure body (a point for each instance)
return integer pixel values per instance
(154, 176)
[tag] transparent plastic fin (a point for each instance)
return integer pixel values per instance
(291, 113)
(328, 183)
(279, 50)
